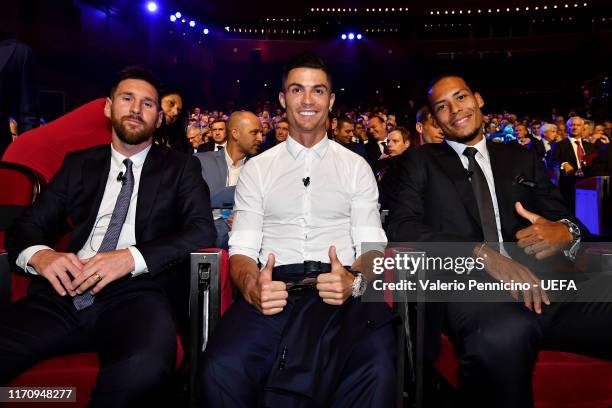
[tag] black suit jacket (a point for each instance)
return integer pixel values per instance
(436, 203)
(372, 150)
(563, 151)
(173, 215)
(17, 89)
(538, 146)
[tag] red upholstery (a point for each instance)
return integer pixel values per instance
(226, 283)
(560, 380)
(43, 149)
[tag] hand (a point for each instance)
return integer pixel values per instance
(336, 286)
(542, 238)
(102, 269)
(568, 169)
(56, 267)
(268, 296)
(383, 156)
(506, 269)
(230, 221)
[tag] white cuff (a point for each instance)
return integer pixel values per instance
(24, 257)
(140, 266)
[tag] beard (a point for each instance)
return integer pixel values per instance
(131, 137)
(468, 138)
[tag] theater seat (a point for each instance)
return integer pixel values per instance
(560, 380)
(43, 149)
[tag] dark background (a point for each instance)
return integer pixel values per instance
(526, 62)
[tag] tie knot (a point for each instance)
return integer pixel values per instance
(128, 164)
(470, 151)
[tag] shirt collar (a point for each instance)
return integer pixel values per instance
(137, 160)
(574, 140)
(230, 162)
(296, 149)
(480, 146)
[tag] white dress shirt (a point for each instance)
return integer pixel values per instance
(276, 213)
(484, 161)
(575, 147)
(381, 145)
(127, 238)
(219, 146)
(233, 171)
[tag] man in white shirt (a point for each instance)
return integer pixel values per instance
(300, 334)
(222, 168)
(137, 211)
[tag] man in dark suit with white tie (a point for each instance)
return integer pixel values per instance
(137, 211)
(472, 191)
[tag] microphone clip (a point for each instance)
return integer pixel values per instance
(122, 177)
(306, 181)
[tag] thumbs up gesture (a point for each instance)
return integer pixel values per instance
(267, 295)
(336, 286)
(542, 238)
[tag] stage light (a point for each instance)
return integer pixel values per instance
(359, 36)
(152, 6)
(343, 36)
(178, 14)
(192, 23)
(351, 36)
(173, 18)
(206, 31)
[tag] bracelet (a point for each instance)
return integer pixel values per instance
(480, 249)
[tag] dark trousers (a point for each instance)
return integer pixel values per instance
(497, 343)
(245, 346)
(134, 335)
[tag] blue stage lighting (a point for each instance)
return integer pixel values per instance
(359, 36)
(206, 31)
(192, 23)
(351, 36)
(152, 6)
(173, 18)
(344, 36)
(178, 14)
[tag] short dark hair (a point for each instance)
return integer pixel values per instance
(217, 120)
(306, 60)
(282, 120)
(403, 131)
(380, 118)
(423, 115)
(342, 120)
(140, 73)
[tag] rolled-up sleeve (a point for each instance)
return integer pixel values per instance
(247, 228)
(365, 216)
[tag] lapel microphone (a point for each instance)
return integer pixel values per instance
(469, 173)
(306, 181)
(122, 177)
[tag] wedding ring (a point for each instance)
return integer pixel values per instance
(97, 277)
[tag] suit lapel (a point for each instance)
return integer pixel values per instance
(150, 178)
(451, 165)
(7, 48)
(221, 165)
(94, 184)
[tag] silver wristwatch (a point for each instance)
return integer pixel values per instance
(359, 285)
(575, 244)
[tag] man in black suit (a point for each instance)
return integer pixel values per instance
(17, 89)
(137, 210)
(469, 190)
(343, 134)
(378, 141)
(574, 157)
(219, 137)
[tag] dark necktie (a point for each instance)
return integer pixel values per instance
(111, 237)
(220, 147)
(383, 145)
(483, 196)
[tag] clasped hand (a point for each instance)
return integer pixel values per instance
(69, 274)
